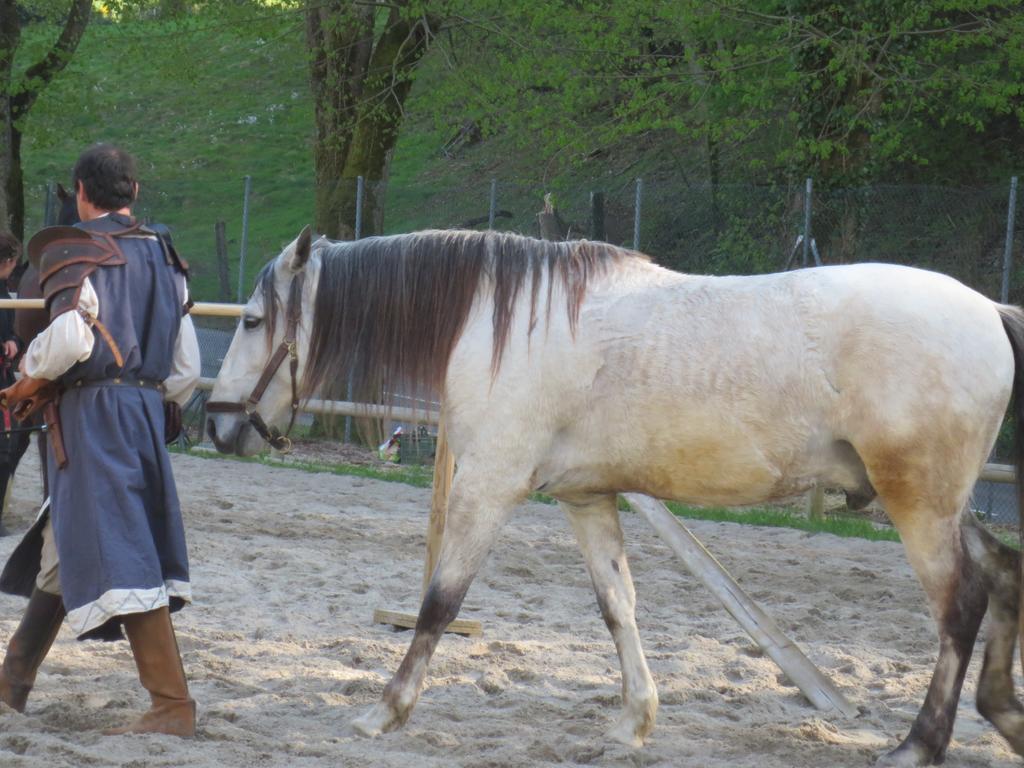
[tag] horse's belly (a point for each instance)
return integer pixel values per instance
(700, 474)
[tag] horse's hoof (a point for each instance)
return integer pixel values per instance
(904, 756)
(626, 732)
(375, 722)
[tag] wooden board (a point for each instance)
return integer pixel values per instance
(817, 687)
(467, 627)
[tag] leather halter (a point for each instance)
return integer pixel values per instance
(288, 349)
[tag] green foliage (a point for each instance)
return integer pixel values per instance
(692, 96)
(848, 92)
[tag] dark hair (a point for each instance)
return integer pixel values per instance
(10, 246)
(108, 175)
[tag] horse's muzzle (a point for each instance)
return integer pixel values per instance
(229, 436)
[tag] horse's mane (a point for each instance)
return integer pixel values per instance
(390, 309)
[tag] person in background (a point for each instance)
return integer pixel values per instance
(12, 444)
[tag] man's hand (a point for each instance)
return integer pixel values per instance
(27, 396)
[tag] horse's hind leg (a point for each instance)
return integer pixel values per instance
(471, 527)
(931, 534)
(999, 566)
(596, 524)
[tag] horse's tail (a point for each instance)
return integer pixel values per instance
(1013, 323)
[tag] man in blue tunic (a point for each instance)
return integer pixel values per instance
(118, 343)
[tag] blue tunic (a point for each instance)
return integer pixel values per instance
(116, 517)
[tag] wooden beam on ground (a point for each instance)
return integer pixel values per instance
(401, 620)
(444, 472)
(821, 692)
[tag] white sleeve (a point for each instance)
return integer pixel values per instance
(65, 341)
(186, 365)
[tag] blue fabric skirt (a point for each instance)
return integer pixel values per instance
(116, 517)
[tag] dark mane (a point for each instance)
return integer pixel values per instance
(390, 309)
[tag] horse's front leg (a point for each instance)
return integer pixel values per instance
(472, 525)
(597, 528)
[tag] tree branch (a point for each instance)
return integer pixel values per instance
(40, 74)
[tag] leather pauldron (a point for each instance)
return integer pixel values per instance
(65, 257)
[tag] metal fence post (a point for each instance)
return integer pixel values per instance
(597, 216)
(1004, 294)
(636, 213)
(48, 205)
(360, 189)
(493, 204)
(807, 221)
(245, 238)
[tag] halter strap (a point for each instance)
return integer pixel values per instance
(287, 348)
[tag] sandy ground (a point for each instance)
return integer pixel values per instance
(288, 567)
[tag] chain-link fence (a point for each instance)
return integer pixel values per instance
(971, 233)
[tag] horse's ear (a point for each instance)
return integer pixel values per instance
(300, 255)
(62, 194)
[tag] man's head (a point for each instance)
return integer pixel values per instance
(10, 251)
(105, 180)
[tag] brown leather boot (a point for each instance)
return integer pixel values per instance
(28, 647)
(160, 671)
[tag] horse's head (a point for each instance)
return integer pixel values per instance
(257, 387)
(68, 213)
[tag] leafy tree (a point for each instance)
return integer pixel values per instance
(19, 88)
(846, 92)
(363, 58)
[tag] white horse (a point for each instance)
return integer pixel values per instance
(610, 374)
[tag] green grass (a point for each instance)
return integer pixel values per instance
(418, 476)
(849, 527)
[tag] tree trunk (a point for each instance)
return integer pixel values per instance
(172, 9)
(17, 98)
(360, 80)
(360, 77)
(14, 190)
(10, 35)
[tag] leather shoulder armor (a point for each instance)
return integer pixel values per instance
(163, 236)
(65, 256)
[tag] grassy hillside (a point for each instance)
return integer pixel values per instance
(203, 107)
(200, 110)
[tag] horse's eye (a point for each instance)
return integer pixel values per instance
(251, 322)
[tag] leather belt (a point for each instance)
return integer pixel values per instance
(117, 382)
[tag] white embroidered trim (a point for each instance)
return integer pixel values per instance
(116, 602)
